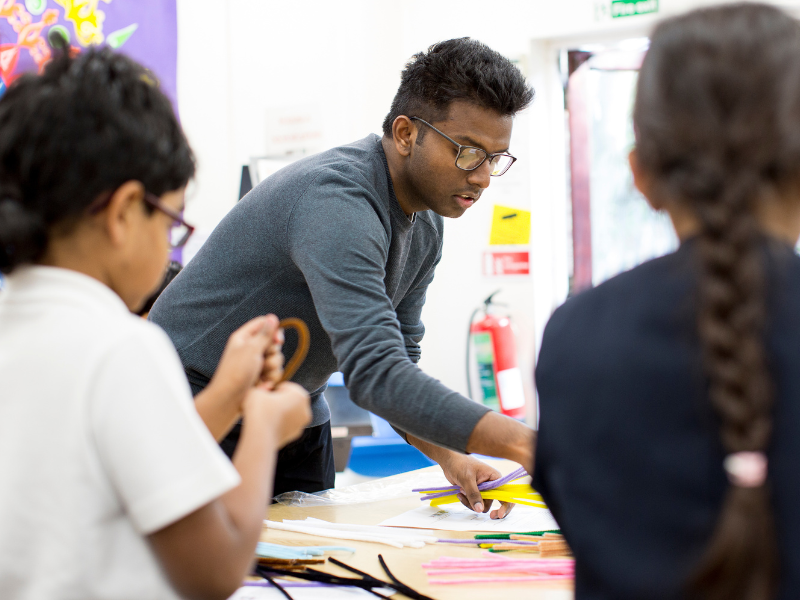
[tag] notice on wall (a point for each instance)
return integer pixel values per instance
(293, 130)
(510, 226)
(629, 8)
(506, 262)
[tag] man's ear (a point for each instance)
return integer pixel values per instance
(643, 181)
(404, 134)
(122, 212)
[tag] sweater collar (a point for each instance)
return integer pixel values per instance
(397, 212)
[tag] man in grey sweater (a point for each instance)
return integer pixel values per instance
(348, 241)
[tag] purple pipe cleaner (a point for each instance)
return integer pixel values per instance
(289, 584)
(488, 485)
(489, 541)
(521, 472)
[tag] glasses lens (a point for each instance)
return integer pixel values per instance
(500, 164)
(470, 158)
(178, 234)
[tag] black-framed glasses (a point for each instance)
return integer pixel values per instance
(179, 232)
(470, 158)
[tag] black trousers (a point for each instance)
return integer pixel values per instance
(304, 465)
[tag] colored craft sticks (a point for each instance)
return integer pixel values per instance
(546, 544)
(507, 536)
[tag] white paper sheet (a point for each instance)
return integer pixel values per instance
(455, 517)
(304, 593)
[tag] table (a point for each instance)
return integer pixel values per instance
(406, 563)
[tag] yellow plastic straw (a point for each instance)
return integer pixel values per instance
(515, 493)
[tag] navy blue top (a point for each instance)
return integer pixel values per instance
(629, 457)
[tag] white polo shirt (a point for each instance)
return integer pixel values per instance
(100, 444)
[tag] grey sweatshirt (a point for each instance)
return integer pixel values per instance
(325, 240)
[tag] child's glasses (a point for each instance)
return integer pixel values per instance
(179, 233)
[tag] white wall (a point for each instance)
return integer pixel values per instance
(239, 59)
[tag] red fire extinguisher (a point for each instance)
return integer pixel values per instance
(492, 340)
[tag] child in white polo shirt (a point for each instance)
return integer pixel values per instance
(111, 486)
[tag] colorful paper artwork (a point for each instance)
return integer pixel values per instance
(145, 30)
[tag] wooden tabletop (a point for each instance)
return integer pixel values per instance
(405, 563)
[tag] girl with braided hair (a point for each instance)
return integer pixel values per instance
(670, 395)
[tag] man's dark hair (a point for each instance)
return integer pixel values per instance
(85, 126)
(459, 69)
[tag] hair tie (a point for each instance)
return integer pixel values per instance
(746, 469)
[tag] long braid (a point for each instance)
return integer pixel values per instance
(741, 559)
(717, 124)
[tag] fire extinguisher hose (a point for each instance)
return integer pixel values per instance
(469, 352)
(485, 308)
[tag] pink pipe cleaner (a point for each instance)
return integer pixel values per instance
(531, 570)
(499, 579)
(489, 555)
(450, 561)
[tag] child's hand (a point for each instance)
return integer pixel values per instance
(288, 407)
(273, 363)
(252, 355)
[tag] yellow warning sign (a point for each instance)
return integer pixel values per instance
(510, 226)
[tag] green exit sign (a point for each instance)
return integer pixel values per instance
(628, 8)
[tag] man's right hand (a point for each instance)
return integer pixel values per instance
(503, 437)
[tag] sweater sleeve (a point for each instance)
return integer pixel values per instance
(338, 241)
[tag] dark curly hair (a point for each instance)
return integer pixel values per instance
(458, 69)
(717, 125)
(85, 126)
